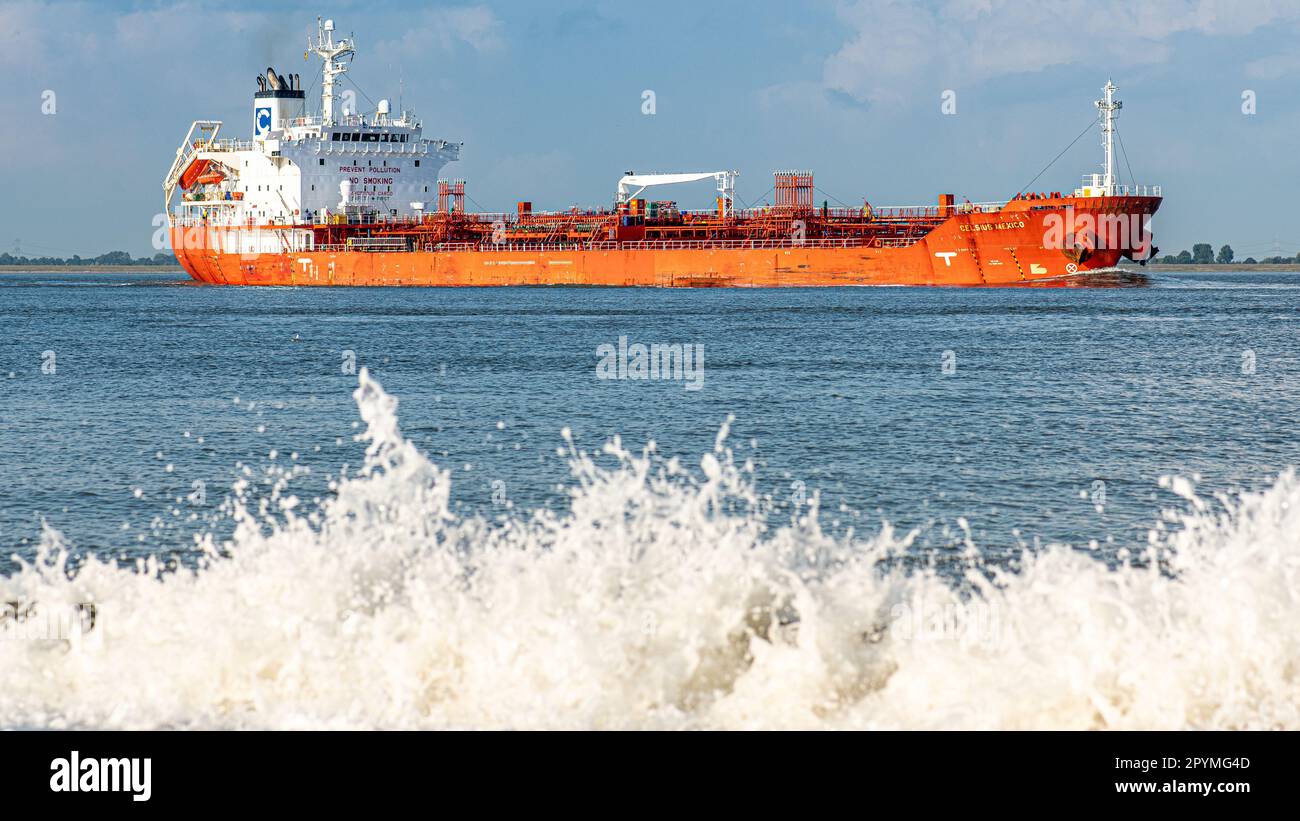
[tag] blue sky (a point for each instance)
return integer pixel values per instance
(547, 98)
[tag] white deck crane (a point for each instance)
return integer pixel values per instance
(726, 185)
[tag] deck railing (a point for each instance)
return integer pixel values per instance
(740, 244)
(641, 245)
(1131, 190)
(1137, 191)
(227, 144)
(512, 220)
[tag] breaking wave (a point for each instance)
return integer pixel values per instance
(666, 596)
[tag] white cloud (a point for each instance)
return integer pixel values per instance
(34, 33)
(1274, 67)
(895, 45)
(30, 35)
(475, 26)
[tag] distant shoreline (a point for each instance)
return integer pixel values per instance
(1283, 267)
(91, 269)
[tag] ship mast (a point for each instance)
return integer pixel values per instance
(1108, 107)
(329, 51)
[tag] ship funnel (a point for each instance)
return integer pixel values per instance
(276, 104)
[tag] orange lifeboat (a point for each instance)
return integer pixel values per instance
(193, 171)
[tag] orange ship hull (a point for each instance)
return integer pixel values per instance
(1005, 247)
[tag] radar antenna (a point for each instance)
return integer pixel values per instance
(330, 51)
(1107, 108)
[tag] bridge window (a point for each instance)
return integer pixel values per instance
(356, 138)
(335, 138)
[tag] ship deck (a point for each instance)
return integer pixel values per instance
(653, 226)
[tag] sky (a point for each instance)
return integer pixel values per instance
(550, 101)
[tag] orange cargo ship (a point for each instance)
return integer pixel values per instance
(343, 200)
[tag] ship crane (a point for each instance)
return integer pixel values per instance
(726, 185)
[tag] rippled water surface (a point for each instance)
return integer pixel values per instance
(1047, 413)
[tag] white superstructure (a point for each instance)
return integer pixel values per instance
(300, 169)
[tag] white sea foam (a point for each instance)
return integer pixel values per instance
(665, 597)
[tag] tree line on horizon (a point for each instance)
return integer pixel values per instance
(111, 258)
(1202, 253)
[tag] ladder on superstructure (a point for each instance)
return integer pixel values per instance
(207, 130)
